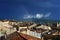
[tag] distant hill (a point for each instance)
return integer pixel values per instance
(35, 20)
(40, 20)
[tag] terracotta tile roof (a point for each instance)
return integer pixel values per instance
(29, 37)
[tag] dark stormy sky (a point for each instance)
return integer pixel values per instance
(24, 9)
